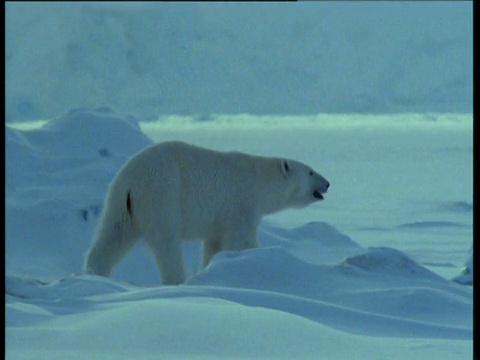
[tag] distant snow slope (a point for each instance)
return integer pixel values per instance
(204, 58)
(308, 292)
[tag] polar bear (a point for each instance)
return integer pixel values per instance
(174, 191)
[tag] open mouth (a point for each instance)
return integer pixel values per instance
(317, 195)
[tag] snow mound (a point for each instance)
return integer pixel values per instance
(100, 132)
(90, 133)
(387, 260)
(314, 242)
(267, 268)
(458, 206)
(57, 177)
(57, 153)
(381, 281)
(178, 328)
(69, 287)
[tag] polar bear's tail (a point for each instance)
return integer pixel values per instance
(115, 235)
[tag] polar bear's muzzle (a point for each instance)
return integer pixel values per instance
(318, 193)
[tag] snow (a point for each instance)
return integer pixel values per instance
(365, 274)
(229, 58)
(466, 275)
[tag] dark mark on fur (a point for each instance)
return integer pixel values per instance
(129, 205)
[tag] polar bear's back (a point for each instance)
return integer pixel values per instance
(192, 161)
(168, 158)
(195, 185)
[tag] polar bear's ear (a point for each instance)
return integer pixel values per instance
(286, 168)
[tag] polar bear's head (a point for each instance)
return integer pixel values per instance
(306, 186)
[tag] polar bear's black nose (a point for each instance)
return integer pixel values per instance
(328, 185)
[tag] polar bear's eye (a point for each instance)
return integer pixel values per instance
(310, 173)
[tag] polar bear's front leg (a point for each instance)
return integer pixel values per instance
(241, 234)
(211, 246)
(238, 234)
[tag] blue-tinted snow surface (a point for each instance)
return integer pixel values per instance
(311, 277)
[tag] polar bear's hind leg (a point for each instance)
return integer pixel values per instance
(115, 236)
(167, 250)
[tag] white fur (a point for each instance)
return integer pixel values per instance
(177, 191)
